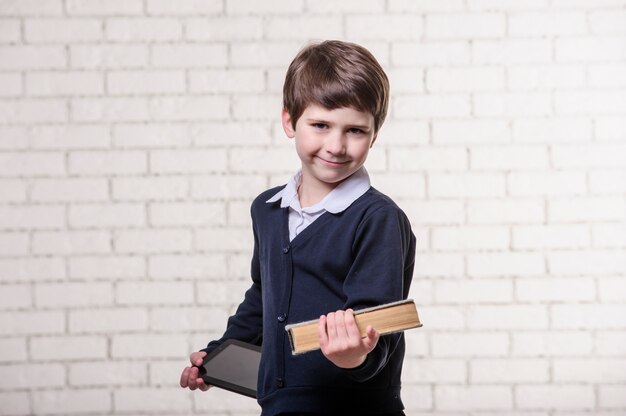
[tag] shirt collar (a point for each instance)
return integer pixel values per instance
(335, 202)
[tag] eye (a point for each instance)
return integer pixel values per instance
(355, 130)
(320, 125)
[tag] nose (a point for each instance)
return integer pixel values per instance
(335, 144)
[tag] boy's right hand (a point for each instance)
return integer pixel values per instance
(190, 378)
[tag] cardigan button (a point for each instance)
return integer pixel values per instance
(282, 317)
(286, 249)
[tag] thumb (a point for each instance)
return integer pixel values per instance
(371, 338)
(197, 358)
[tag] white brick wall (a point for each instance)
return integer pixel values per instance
(134, 134)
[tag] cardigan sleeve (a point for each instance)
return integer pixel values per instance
(384, 256)
(247, 322)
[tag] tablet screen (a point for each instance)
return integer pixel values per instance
(233, 366)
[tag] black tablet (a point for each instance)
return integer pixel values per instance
(234, 366)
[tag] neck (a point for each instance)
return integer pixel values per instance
(310, 194)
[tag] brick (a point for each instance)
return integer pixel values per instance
(107, 163)
(69, 190)
(187, 266)
(10, 84)
(13, 349)
(590, 102)
(256, 107)
(443, 317)
(572, 370)
(470, 131)
(227, 81)
(227, 187)
(15, 297)
(473, 397)
(546, 77)
(109, 215)
(71, 242)
(514, 370)
(14, 244)
(611, 343)
(554, 130)
(16, 57)
(392, 27)
(31, 8)
(551, 236)
(465, 79)
(31, 323)
(240, 133)
(32, 111)
(428, 54)
(59, 295)
(473, 291)
(14, 137)
(264, 55)
(434, 371)
(483, 5)
(72, 401)
(151, 135)
(612, 289)
(359, 6)
(589, 49)
(428, 158)
(608, 235)
(13, 190)
(467, 238)
(466, 185)
(506, 212)
(160, 346)
(65, 83)
(512, 104)
(32, 164)
(68, 348)
(145, 82)
(505, 264)
(221, 240)
(607, 75)
(589, 316)
(263, 8)
(435, 264)
(188, 161)
(190, 108)
(512, 51)
(31, 269)
(119, 373)
(607, 22)
(545, 23)
(153, 188)
(143, 29)
(239, 214)
(553, 343)
(555, 397)
(407, 80)
(62, 30)
(161, 373)
(555, 290)
(167, 214)
(586, 209)
(508, 317)
(17, 403)
(401, 185)
(67, 137)
(266, 160)
(108, 56)
(25, 376)
(188, 319)
(152, 241)
(105, 109)
(586, 262)
(610, 128)
(431, 106)
(222, 292)
(104, 7)
(157, 293)
(421, 6)
(477, 344)
(465, 26)
(110, 268)
(548, 183)
(436, 212)
(136, 400)
(187, 7)
(312, 27)
(189, 56)
(32, 217)
(587, 156)
(612, 397)
(107, 320)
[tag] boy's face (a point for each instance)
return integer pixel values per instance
(332, 144)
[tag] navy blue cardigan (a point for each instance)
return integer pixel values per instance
(361, 257)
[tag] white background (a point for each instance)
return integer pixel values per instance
(134, 134)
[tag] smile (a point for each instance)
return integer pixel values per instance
(333, 163)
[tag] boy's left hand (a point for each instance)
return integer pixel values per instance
(341, 340)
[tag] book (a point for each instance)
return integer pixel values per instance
(386, 319)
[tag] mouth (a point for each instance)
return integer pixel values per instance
(333, 163)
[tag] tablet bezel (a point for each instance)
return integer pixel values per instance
(217, 382)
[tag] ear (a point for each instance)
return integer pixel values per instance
(287, 126)
(374, 140)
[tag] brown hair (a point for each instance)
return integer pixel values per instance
(336, 74)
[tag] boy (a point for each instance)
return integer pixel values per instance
(326, 241)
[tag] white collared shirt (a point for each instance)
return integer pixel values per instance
(335, 202)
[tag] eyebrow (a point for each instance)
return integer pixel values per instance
(349, 125)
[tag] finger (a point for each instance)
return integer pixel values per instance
(201, 384)
(340, 324)
(321, 332)
(351, 326)
(331, 328)
(184, 378)
(371, 339)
